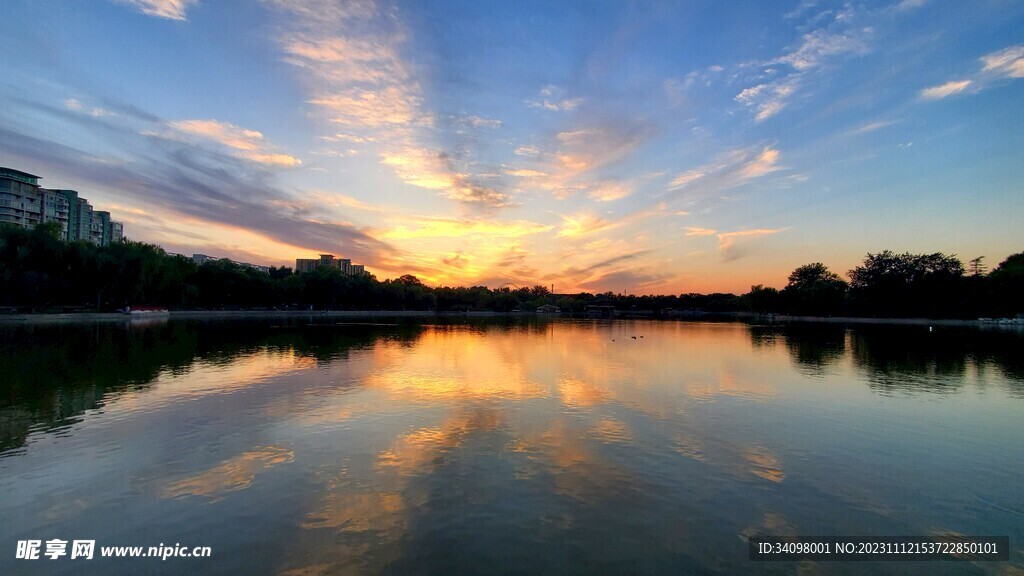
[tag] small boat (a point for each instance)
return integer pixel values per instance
(146, 310)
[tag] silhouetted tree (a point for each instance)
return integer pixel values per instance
(814, 289)
(907, 284)
(1007, 282)
(764, 299)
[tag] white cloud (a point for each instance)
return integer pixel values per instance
(909, 5)
(1007, 62)
(820, 45)
(351, 54)
(777, 80)
(768, 99)
(169, 9)
(687, 177)
(947, 89)
(77, 106)
(554, 99)
(872, 126)
(728, 171)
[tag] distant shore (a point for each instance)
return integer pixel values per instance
(63, 318)
(785, 319)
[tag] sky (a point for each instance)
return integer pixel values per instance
(632, 147)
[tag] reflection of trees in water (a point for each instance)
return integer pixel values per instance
(905, 360)
(917, 360)
(902, 358)
(812, 347)
(53, 374)
(815, 347)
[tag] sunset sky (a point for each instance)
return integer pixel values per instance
(637, 147)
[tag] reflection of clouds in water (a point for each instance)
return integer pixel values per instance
(728, 383)
(413, 453)
(234, 474)
(612, 431)
(690, 447)
(569, 456)
(367, 509)
(205, 378)
(374, 511)
(581, 393)
(764, 464)
(456, 386)
(772, 523)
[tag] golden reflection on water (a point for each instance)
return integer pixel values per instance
(230, 475)
(208, 378)
(412, 453)
(375, 443)
(764, 464)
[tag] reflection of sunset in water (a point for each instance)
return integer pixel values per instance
(234, 474)
(563, 444)
(221, 377)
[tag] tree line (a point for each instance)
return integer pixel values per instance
(40, 272)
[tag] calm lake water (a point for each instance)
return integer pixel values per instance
(540, 447)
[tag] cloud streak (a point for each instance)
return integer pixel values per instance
(728, 171)
(553, 99)
(245, 143)
(945, 90)
(351, 54)
(1007, 63)
(191, 180)
(794, 69)
(168, 9)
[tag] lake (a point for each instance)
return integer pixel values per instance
(309, 447)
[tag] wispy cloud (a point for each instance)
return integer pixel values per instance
(351, 53)
(995, 66)
(576, 160)
(790, 72)
(944, 90)
(729, 171)
(184, 179)
(698, 231)
(905, 5)
(816, 47)
(872, 126)
(77, 106)
(730, 245)
(585, 223)
(768, 99)
(609, 191)
(554, 99)
(525, 173)
(169, 9)
(1008, 62)
(453, 228)
(247, 144)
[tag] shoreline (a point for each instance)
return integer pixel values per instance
(77, 317)
(946, 322)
